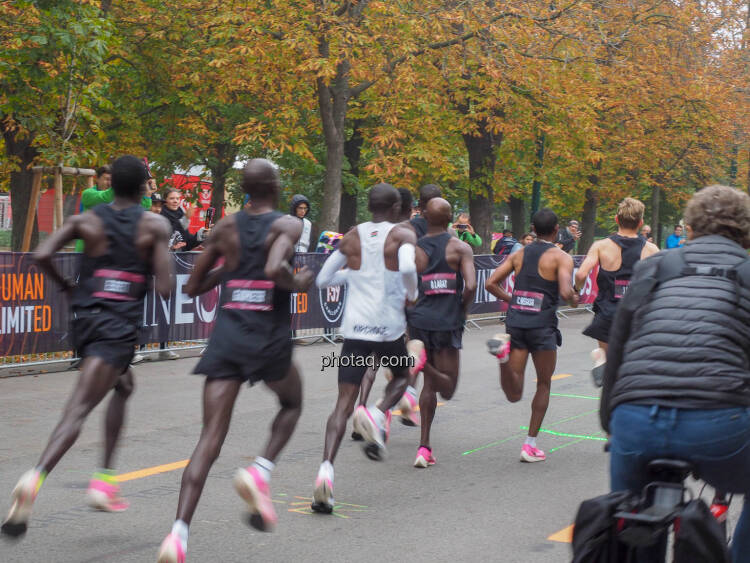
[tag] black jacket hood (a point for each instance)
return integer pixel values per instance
(297, 200)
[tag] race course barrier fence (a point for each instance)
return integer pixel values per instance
(35, 314)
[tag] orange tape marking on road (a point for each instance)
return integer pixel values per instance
(560, 376)
(141, 473)
(563, 536)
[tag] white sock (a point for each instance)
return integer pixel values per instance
(326, 470)
(412, 391)
(264, 467)
(180, 529)
(531, 441)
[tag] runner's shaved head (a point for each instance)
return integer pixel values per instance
(383, 197)
(260, 178)
(438, 212)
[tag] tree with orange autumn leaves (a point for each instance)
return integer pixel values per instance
(579, 102)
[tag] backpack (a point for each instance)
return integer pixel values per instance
(504, 246)
(595, 533)
(698, 536)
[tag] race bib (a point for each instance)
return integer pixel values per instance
(435, 284)
(117, 285)
(249, 295)
(528, 301)
(621, 286)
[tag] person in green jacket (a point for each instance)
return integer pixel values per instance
(465, 232)
(103, 193)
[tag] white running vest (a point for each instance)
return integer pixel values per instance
(376, 296)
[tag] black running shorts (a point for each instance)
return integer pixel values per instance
(534, 339)
(353, 359)
(216, 365)
(599, 328)
(437, 339)
(102, 334)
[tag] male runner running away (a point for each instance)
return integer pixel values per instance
(123, 245)
(447, 285)
(616, 257)
(543, 274)
(381, 276)
(408, 403)
(250, 342)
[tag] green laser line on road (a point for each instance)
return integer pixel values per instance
(573, 396)
(566, 435)
(521, 433)
(566, 444)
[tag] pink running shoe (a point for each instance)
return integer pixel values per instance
(373, 431)
(424, 458)
(408, 406)
(23, 497)
(255, 491)
(105, 496)
(323, 496)
(499, 346)
(417, 351)
(530, 455)
(171, 550)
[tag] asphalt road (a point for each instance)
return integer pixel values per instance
(478, 503)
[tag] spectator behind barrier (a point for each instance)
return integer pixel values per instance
(567, 239)
(300, 208)
(181, 240)
(675, 240)
(527, 239)
(507, 245)
(677, 382)
(465, 232)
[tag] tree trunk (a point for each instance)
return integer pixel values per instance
(517, 215)
(536, 186)
(333, 102)
(655, 218)
(482, 158)
(21, 150)
(352, 151)
(588, 217)
(218, 187)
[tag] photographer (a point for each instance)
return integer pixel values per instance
(181, 240)
(677, 381)
(567, 239)
(465, 232)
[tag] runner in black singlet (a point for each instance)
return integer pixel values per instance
(251, 342)
(616, 257)
(123, 246)
(543, 274)
(447, 282)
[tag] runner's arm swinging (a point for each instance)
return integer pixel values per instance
(591, 260)
(407, 265)
(564, 280)
(469, 273)
(495, 281)
(46, 251)
(331, 273)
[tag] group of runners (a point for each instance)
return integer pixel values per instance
(409, 285)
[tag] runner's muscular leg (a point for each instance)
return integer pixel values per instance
(395, 388)
(115, 418)
(442, 368)
(366, 386)
(336, 425)
(289, 393)
(427, 405)
(96, 379)
(603, 345)
(219, 396)
(512, 374)
(544, 362)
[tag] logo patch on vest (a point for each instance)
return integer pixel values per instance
(249, 295)
(529, 301)
(117, 285)
(621, 286)
(436, 284)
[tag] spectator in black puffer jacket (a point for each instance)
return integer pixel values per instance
(677, 382)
